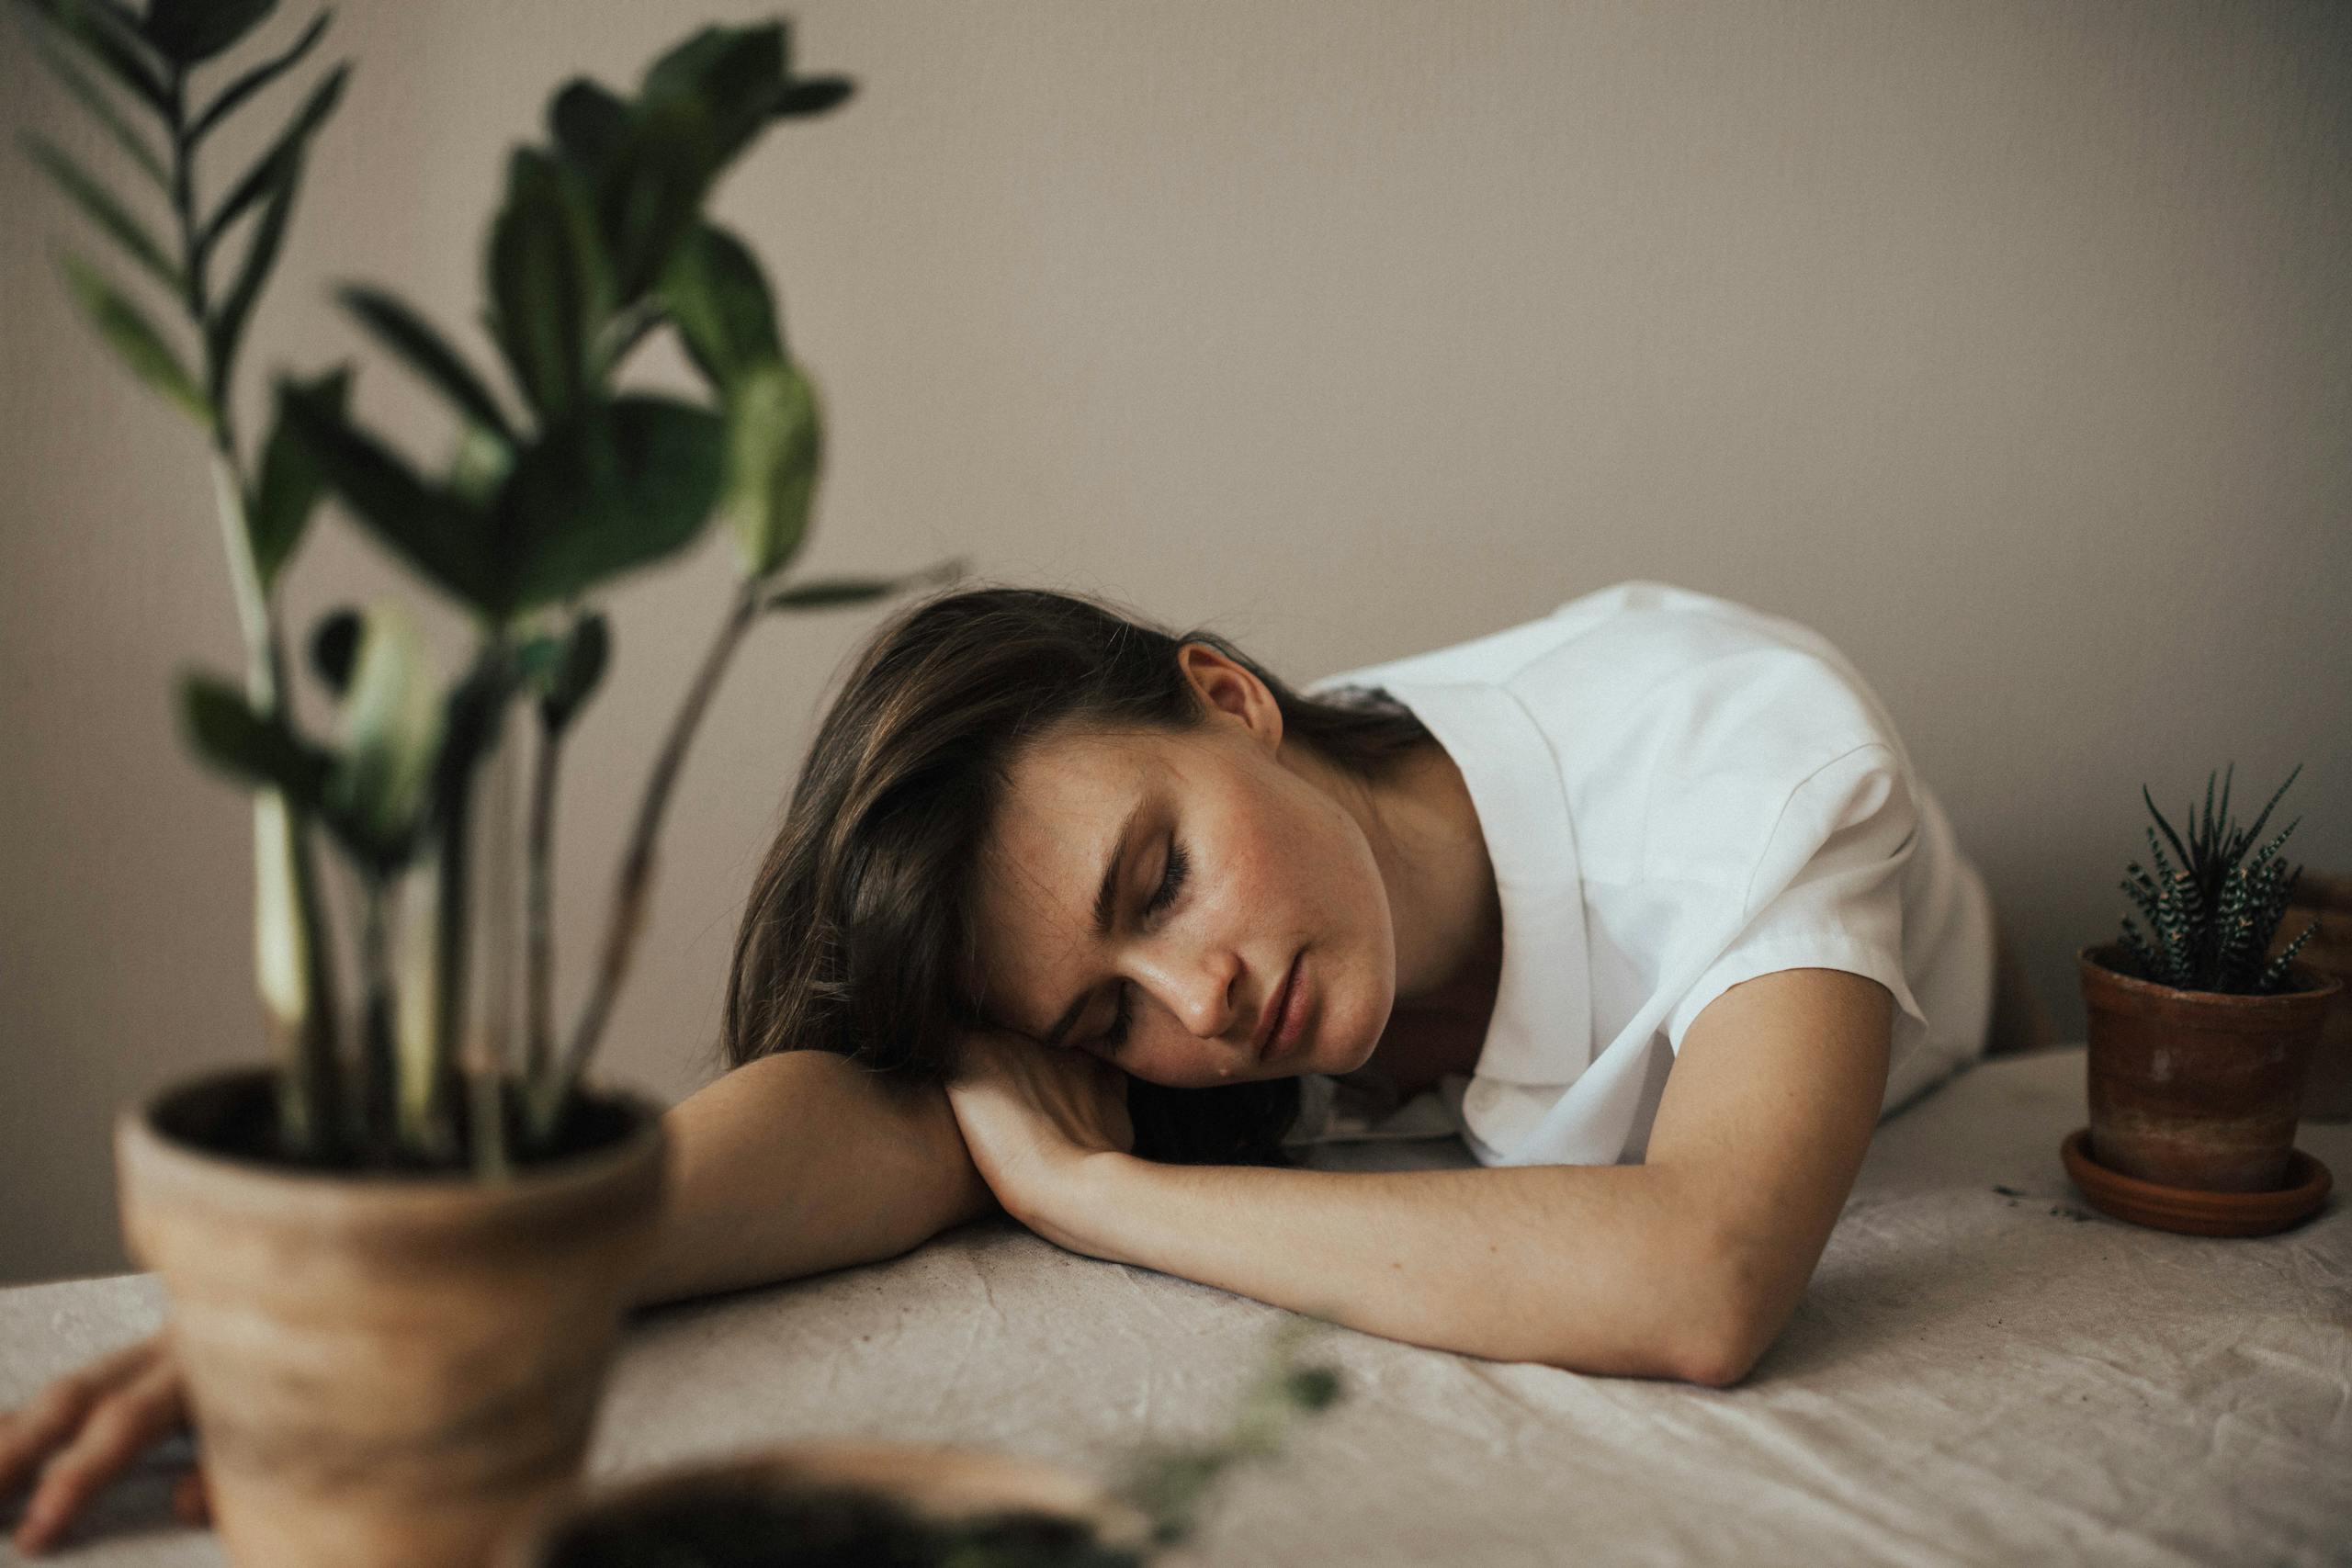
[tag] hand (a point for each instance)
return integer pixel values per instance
(1030, 1115)
(87, 1429)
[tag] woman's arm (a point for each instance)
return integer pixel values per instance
(1685, 1267)
(1584, 1267)
(801, 1162)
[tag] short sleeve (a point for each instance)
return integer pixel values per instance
(1826, 892)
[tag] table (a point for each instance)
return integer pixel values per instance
(1984, 1371)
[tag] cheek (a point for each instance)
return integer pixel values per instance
(1289, 870)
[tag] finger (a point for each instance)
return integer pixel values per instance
(56, 1413)
(54, 1416)
(118, 1429)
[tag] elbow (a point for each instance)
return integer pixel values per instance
(1715, 1343)
(1734, 1318)
(1714, 1355)
(1718, 1359)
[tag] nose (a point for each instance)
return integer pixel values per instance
(1197, 988)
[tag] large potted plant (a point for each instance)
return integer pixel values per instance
(2199, 1044)
(397, 1256)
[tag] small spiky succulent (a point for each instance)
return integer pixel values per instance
(2211, 918)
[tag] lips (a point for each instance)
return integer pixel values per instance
(1270, 1023)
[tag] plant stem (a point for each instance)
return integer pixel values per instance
(489, 1068)
(420, 1126)
(293, 955)
(373, 1099)
(633, 891)
(539, 953)
(451, 918)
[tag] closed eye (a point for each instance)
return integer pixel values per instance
(1172, 882)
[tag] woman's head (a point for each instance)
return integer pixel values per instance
(943, 858)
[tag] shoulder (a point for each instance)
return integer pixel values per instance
(1681, 727)
(1691, 732)
(1610, 657)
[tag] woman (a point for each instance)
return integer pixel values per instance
(1091, 922)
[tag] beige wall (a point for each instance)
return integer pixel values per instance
(2009, 345)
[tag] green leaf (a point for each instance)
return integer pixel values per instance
(287, 488)
(479, 466)
(774, 446)
(470, 721)
(613, 488)
(814, 95)
(412, 338)
(2256, 832)
(649, 195)
(267, 169)
(725, 314)
(574, 666)
(737, 74)
(188, 31)
(100, 206)
(587, 122)
(1313, 1388)
(112, 40)
(623, 332)
(254, 80)
(390, 734)
(432, 529)
(548, 281)
(132, 336)
(256, 748)
(102, 108)
(225, 332)
(838, 593)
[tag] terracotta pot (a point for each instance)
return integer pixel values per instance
(2327, 1096)
(384, 1369)
(936, 1484)
(2197, 1089)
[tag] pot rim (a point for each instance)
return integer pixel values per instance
(147, 1156)
(2091, 960)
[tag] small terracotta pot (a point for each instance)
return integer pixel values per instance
(2197, 1089)
(934, 1482)
(384, 1369)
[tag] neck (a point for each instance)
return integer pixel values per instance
(1443, 902)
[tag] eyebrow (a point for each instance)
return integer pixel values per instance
(1106, 906)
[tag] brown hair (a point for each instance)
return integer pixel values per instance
(860, 937)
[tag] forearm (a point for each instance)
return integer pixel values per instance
(1596, 1269)
(802, 1162)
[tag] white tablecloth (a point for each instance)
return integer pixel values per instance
(1972, 1377)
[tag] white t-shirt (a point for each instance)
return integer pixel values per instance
(1678, 794)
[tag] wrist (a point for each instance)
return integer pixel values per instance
(1083, 1208)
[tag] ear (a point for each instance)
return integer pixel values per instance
(1230, 691)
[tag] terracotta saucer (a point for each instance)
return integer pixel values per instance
(2191, 1212)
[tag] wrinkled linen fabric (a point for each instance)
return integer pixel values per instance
(1984, 1371)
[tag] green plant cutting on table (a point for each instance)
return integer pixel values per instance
(551, 488)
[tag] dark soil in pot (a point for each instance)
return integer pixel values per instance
(235, 1115)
